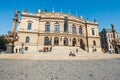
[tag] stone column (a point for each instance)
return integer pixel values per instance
(70, 28)
(14, 25)
(77, 29)
(61, 40)
(12, 36)
(51, 27)
(70, 41)
(77, 42)
(86, 28)
(61, 27)
(52, 40)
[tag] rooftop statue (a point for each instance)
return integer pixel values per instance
(16, 13)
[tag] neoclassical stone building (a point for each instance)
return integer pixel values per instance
(107, 39)
(50, 29)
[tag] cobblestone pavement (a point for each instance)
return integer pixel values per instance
(103, 69)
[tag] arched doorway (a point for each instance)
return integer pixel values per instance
(82, 44)
(73, 42)
(65, 41)
(46, 41)
(56, 41)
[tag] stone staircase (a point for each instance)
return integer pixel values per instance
(65, 50)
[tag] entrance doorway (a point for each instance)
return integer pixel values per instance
(73, 42)
(65, 41)
(56, 41)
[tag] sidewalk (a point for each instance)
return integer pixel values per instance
(50, 56)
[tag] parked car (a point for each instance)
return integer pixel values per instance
(110, 51)
(1, 51)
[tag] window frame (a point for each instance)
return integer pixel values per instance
(47, 27)
(46, 41)
(27, 39)
(56, 27)
(73, 29)
(80, 30)
(29, 26)
(93, 31)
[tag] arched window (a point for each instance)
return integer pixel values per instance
(46, 41)
(56, 27)
(65, 41)
(94, 43)
(47, 27)
(73, 28)
(29, 26)
(56, 41)
(27, 40)
(80, 30)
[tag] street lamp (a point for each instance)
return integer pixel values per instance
(51, 44)
(22, 47)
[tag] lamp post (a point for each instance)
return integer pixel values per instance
(51, 44)
(22, 47)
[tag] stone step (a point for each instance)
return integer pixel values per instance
(66, 50)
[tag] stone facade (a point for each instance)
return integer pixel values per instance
(107, 39)
(48, 29)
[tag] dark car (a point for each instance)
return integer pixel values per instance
(110, 51)
(0, 51)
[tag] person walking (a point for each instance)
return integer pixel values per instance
(76, 50)
(16, 50)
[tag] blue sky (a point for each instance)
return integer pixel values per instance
(106, 12)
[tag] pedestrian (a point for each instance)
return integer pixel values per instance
(50, 49)
(70, 54)
(76, 50)
(16, 50)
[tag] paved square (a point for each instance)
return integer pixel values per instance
(102, 69)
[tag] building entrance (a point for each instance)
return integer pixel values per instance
(65, 41)
(73, 42)
(56, 41)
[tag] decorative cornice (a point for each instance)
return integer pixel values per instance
(55, 16)
(93, 37)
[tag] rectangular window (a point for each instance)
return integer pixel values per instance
(47, 29)
(93, 32)
(26, 48)
(29, 26)
(56, 28)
